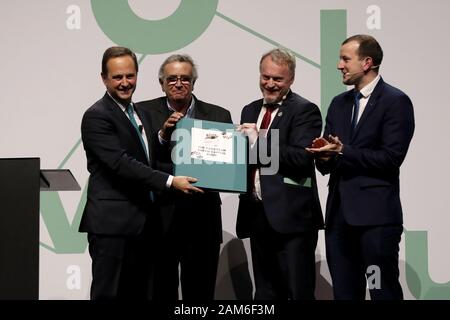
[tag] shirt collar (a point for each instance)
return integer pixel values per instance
(189, 111)
(121, 106)
(368, 89)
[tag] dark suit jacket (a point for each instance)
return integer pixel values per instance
(366, 175)
(120, 176)
(203, 221)
(289, 208)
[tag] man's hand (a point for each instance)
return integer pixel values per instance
(183, 184)
(319, 143)
(250, 130)
(324, 148)
(169, 125)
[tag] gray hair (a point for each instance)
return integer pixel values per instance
(178, 58)
(281, 56)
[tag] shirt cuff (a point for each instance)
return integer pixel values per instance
(161, 140)
(169, 181)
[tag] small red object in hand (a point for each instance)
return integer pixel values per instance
(319, 143)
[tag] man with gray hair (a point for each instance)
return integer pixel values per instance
(192, 224)
(281, 212)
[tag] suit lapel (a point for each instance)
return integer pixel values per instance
(253, 112)
(280, 112)
(147, 125)
(163, 112)
(127, 126)
(118, 114)
(346, 115)
(278, 116)
(200, 111)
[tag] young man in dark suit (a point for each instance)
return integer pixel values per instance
(192, 223)
(281, 212)
(367, 134)
(119, 216)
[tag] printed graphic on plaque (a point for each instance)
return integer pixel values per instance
(212, 145)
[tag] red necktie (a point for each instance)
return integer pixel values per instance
(267, 116)
(264, 125)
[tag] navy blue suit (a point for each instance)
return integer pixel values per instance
(283, 226)
(363, 214)
(119, 216)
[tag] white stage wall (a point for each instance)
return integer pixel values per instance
(50, 61)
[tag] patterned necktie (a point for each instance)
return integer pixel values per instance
(358, 96)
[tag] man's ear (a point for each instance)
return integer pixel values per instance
(368, 63)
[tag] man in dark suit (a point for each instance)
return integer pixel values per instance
(281, 212)
(118, 216)
(193, 225)
(367, 134)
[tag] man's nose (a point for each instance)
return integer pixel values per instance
(270, 83)
(124, 82)
(178, 83)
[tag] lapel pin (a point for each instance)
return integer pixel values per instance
(280, 113)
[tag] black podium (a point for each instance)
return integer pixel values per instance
(21, 180)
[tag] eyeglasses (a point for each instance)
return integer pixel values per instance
(173, 80)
